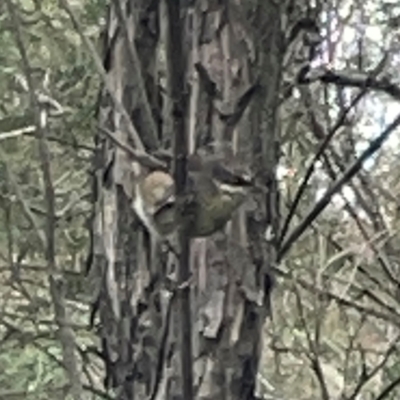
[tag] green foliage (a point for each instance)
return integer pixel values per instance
(30, 356)
(30, 372)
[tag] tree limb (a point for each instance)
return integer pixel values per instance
(176, 74)
(359, 80)
(352, 170)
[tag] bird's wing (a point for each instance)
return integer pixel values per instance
(202, 186)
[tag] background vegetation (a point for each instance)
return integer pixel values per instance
(335, 327)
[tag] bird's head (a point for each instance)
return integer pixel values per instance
(215, 192)
(157, 190)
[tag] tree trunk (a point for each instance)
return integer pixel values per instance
(135, 301)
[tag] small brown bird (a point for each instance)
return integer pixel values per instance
(214, 194)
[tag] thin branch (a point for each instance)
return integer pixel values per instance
(17, 132)
(66, 334)
(30, 131)
(103, 74)
(392, 319)
(176, 85)
(323, 146)
(312, 344)
(388, 389)
(318, 132)
(138, 155)
(367, 376)
(320, 151)
(352, 79)
(24, 204)
(374, 146)
(137, 74)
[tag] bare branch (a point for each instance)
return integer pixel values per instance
(66, 333)
(312, 355)
(359, 80)
(367, 376)
(374, 146)
(25, 206)
(388, 389)
(138, 155)
(388, 318)
(103, 74)
(137, 74)
(176, 71)
(321, 149)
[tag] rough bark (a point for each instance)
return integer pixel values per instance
(122, 282)
(139, 323)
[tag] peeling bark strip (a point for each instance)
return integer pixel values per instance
(148, 327)
(122, 279)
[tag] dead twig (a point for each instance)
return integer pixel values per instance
(352, 170)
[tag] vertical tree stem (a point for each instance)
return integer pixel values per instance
(177, 92)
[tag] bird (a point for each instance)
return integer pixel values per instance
(214, 193)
